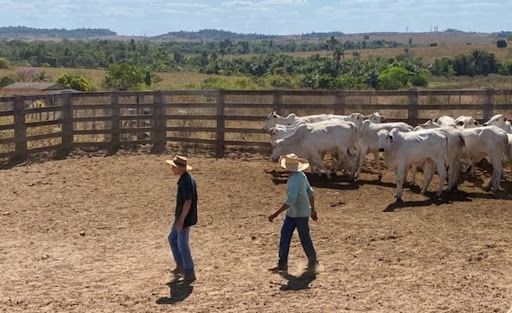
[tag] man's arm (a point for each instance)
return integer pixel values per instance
(184, 212)
(314, 216)
(283, 208)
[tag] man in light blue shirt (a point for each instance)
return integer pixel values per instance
(300, 203)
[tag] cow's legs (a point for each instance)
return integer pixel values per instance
(400, 172)
(377, 161)
(441, 170)
(428, 174)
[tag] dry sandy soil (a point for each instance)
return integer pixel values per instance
(88, 234)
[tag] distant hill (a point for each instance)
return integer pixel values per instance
(22, 32)
(210, 35)
(219, 35)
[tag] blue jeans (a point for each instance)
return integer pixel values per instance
(180, 248)
(289, 225)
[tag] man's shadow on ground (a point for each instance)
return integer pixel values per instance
(296, 283)
(179, 291)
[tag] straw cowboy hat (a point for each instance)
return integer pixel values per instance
(179, 161)
(293, 163)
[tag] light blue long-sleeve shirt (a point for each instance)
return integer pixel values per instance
(299, 191)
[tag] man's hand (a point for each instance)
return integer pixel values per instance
(313, 215)
(272, 217)
(179, 225)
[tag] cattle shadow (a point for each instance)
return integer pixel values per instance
(315, 180)
(178, 291)
(296, 283)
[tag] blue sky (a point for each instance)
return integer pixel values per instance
(152, 17)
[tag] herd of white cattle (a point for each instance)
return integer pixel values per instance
(443, 145)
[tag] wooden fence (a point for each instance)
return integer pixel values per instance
(218, 119)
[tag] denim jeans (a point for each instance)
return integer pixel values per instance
(289, 225)
(180, 248)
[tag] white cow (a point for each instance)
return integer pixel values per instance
(369, 143)
(455, 151)
(445, 121)
(375, 117)
(292, 119)
(402, 149)
(500, 121)
(486, 141)
(311, 140)
(464, 121)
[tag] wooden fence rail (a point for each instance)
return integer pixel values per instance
(224, 113)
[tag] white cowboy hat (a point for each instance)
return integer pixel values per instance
(179, 161)
(293, 163)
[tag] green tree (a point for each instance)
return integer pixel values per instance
(502, 43)
(4, 63)
(125, 76)
(394, 77)
(76, 82)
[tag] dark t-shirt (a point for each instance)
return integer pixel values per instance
(187, 191)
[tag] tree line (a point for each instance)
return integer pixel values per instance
(268, 69)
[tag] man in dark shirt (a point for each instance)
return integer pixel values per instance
(185, 217)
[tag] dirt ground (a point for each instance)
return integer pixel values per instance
(89, 234)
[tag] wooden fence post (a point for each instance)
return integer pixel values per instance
(339, 103)
(488, 104)
(20, 130)
(159, 124)
(220, 124)
(277, 101)
(67, 126)
(412, 108)
(116, 127)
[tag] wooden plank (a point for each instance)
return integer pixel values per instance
(191, 117)
(44, 136)
(249, 143)
(245, 118)
(135, 117)
(136, 142)
(192, 129)
(44, 149)
(192, 140)
(92, 131)
(91, 106)
(237, 92)
(6, 113)
(7, 140)
(7, 127)
(7, 154)
(86, 144)
(245, 130)
(92, 119)
(44, 123)
(206, 93)
(135, 130)
(136, 105)
(442, 107)
(503, 107)
(189, 105)
(249, 105)
(43, 110)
